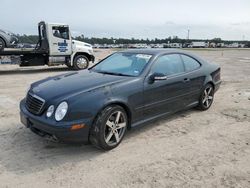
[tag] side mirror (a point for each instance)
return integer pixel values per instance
(157, 76)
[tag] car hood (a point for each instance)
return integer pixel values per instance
(67, 85)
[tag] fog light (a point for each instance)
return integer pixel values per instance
(50, 111)
(77, 126)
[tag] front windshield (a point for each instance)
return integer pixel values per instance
(123, 63)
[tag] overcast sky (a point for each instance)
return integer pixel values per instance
(206, 19)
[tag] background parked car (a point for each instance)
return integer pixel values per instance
(7, 39)
(25, 45)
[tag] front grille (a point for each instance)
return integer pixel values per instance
(34, 103)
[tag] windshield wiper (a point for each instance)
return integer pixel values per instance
(112, 73)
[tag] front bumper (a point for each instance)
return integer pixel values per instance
(57, 131)
(92, 58)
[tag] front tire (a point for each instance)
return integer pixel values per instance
(2, 44)
(109, 128)
(206, 98)
(80, 62)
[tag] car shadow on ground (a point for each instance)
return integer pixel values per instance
(151, 125)
(33, 70)
(26, 152)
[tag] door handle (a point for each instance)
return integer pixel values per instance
(186, 80)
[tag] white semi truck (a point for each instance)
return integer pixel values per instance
(199, 45)
(55, 47)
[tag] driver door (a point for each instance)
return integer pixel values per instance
(60, 40)
(167, 95)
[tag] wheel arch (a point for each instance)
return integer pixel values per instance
(209, 80)
(121, 104)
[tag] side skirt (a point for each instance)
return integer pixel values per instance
(141, 122)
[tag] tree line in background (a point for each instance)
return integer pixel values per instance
(33, 39)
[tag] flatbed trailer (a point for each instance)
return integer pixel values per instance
(28, 57)
(20, 51)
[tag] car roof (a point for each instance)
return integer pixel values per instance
(158, 52)
(155, 51)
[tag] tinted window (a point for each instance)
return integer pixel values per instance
(61, 32)
(168, 65)
(190, 63)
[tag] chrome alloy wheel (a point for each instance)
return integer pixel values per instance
(115, 128)
(82, 63)
(208, 96)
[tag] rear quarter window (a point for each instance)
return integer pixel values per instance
(190, 63)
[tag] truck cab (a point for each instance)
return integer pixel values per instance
(57, 40)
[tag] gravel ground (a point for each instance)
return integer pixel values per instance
(188, 149)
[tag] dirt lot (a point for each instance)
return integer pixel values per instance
(189, 149)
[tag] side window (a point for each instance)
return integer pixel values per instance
(168, 65)
(190, 63)
(61, 32)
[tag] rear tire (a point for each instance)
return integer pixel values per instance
(80, 62)
(2, 44)
(109, 128)
(206, 98)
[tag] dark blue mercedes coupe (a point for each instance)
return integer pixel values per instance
(122, 91)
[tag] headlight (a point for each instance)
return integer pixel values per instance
(61, 111)
(50, 111)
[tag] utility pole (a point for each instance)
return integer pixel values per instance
(188, 34)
